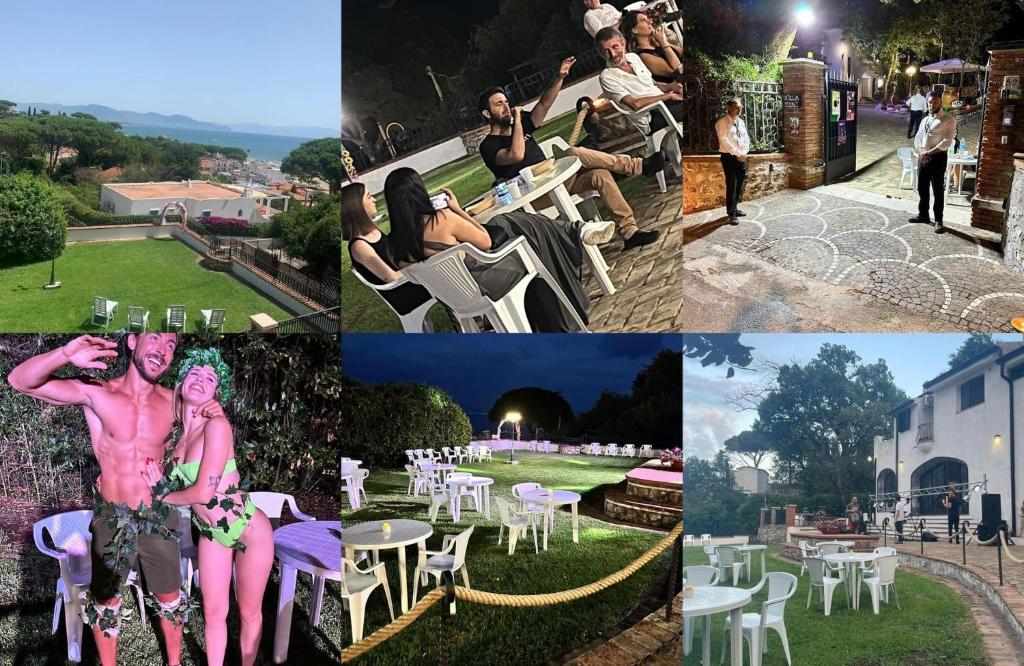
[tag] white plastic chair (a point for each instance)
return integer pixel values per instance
(103, 310)
(459, 490)
(446, 276)
(705, 539)
(414, 321)
(439, 497)
(411, 455)
(419, 454)
(531, 446)
(485, 452)
(730, 558)
(176, 317)
(755, 626)
(646, 452)
(451, 557)
(595, 449)
(612, 450)
(821, 577)
(213, 319)
(806, 550)
(698, 575)
(883, 580)
(666, 138)
(868, 568)
(356, 586)
(461, 454)
(448, 454)
(628, 451)
(472, 453)
(138, 318)
(517, 523)
(711, 552)
(908, 164)
(272, 504)
(688, 541)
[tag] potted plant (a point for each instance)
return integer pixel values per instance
(673, 459)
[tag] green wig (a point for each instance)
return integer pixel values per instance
(197, 358)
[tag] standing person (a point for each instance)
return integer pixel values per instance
(599, 16)
(900, 518)
(733, 146)
(952, 501)
(933, 139)
(237, 539)
(129, 419)
(918, 104)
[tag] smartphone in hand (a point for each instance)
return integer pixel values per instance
(439, 201)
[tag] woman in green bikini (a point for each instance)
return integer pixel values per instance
(234, 532)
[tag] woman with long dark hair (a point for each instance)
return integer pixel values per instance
(418, 231)
(652, 45)
(370, 251)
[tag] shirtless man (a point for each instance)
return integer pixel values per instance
(130, 418)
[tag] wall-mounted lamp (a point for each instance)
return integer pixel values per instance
(997, 440)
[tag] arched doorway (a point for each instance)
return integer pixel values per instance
(937, 472)
(886, 482)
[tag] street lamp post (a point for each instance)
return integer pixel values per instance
(910, 71)
(513, 418)
(53, 284)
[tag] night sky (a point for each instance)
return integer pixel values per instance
(477, 369)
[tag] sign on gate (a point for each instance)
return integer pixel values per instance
(840, 129)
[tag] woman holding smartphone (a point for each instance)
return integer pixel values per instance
(422, 226)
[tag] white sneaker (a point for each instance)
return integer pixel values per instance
(597, 233)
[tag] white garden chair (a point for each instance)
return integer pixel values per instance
(272, 504)
(595, 449)
(138, 318)
(525, 507)
(730, 559)
(868, 568)
(705, 539)
(356, 586)
(176, 317)
(612, 450)
(411, 455)
(472, 453)
(806, 550)
(416, 320)
(440, 496)
(646, 451)
(908, 164)
(446, 276)
(213, 319)
(419, 454)
(517, 523)
(883, 580)
(531, 446)
(712, 553)
(433, 455)
(451, 557)
(485, 452)
(456, 491)
(461, 454)
(688, 541)
(755, 626)
(821, 578)
(104, 310)
(448, 454)
(698, 575)
(628, 451)
(666, 139)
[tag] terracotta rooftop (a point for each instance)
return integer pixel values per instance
(200, 189)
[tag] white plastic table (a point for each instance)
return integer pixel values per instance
(844, 544)
(441, 470)
(747, 552)
(369, 536)
(556, 498)
(958, 161)
(313, 547)
(707, 600)
(480, 486)
(552, 182)
(851, 562)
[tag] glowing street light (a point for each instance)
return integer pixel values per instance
(804, 14)
(514, 418)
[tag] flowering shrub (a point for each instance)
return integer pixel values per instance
(832, 526)
(673, 458)
(224, 226)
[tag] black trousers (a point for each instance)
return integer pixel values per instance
(915, 122)
(899, 529)
(735, 177)
(932, 174)
(953, 525)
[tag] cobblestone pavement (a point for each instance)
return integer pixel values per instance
(949, 281)
(879, 135)
(648, 281)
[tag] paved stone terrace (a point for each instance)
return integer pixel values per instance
(648, 280)
(947, 280)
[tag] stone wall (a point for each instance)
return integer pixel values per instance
(640, 515)
(995, 168)
(657, 494)
(704, 184)
(771, 534)
(1013, 237)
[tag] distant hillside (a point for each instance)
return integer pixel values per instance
(108, 114)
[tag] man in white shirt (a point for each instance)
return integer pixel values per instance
(901, 513)
(627, 81)
(918, 104)
(599, 16)
(733, 146)
(931, 143)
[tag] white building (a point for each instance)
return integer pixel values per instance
(963, 428)
(200, 198)
(844, 62)
(751, 480)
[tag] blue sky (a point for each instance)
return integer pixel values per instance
(708, 419)
(259, 61)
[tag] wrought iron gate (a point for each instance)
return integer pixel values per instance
(840, 127)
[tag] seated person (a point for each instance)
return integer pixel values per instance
(369, 250)
(627, 81)
(419, 231)
(599, 16)
(510, 147)
(660, 56)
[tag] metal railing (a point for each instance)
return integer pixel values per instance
(762, 114)
(926, 432)
(326, 294)
(324, 321)
(706, 102)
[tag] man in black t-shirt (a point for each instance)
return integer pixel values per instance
(510, 147)
(952, 502)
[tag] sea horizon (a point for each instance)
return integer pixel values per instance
(271, 147)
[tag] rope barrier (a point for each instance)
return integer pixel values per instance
(583, 108)
(512, 600)
(1002, 537)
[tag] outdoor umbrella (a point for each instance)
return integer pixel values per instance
(951, 66)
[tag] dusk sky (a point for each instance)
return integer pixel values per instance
(477, 369)
(258, 61)
(708, 420)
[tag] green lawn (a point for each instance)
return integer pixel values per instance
(26, 609)
(468, 178)
(149, 273)
(496, 635)
(933, 628)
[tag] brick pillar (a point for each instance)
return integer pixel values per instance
(790, 515)
(995, 168)
(762, 522)
(806, 148)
